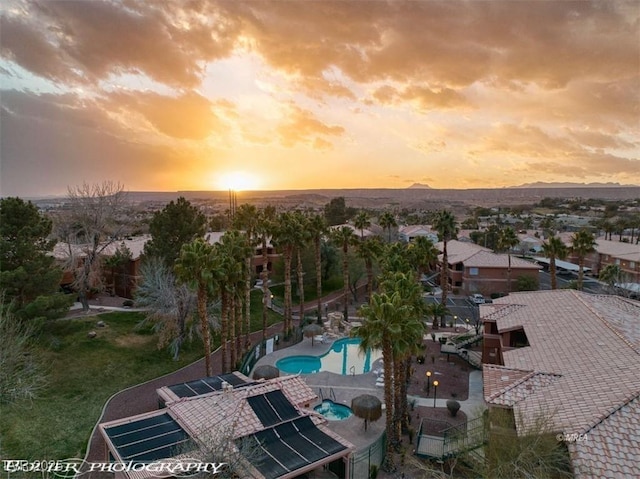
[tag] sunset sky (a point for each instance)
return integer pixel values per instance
(179, 95)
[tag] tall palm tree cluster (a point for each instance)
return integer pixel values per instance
(219, 272)
(394, 322)
(223, 272)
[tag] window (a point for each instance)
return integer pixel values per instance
(473, 271)
(632, 264)
(617, 261)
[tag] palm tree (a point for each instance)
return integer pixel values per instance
(611, 274)
(410, 292)
(423, 254)
(301, 239)
(361, 222)
(437, 310)
(196, 267)
(317, 228)
(381, 328)
(286, 234)
(582, 243)
(445, 224)
(388, 221)
(554, 249)
(369, 250)
(344, 236)
(235, 248)
(506, 241)
(264, 229)
(246, 219)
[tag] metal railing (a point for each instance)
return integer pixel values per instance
(451, 441)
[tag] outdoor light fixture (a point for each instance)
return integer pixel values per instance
(455, 323)
(435, 392)
(467, 320)
(428, 381)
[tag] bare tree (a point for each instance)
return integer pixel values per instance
(170, 306)
(95, 220)
(220, 446)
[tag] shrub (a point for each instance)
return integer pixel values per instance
(373, 471)
(127, 303)
(453, 407)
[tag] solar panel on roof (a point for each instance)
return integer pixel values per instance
(305, 448)
(260, 458)
(206, 385)
(202, 387)
(285, 455)
(323, 441)
(149, 439)
(182, 390)
(282, 405)
(232, 379)
(290, 446)
(263, 410)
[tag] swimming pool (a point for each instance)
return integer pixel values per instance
(344, 357)
(333, 411)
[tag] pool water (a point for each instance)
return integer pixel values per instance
(333, 411)
(344, 357)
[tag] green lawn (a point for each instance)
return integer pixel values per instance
(83, 374)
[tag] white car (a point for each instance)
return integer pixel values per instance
(477, 298)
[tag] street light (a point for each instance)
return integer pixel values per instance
(428, 381)
(467, 320)
(435, 392)
(455, 323)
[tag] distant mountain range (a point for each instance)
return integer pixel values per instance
(542, 184)
(419, 186)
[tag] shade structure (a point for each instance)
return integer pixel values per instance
(367, 407)
(266, 371)
(313, 330)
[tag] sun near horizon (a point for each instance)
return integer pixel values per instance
(237, 181)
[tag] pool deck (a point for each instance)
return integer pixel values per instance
(344, 388)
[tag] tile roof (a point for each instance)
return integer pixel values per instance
(506, 387)
(486, 259)
(135, 245)
(459, 251)
(473, 255)
(618, 249)
(230, 410)
(604, 450)
(226, 415)
(589, 345)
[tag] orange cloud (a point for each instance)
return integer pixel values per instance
(301, 126)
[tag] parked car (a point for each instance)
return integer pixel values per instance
(477, 298)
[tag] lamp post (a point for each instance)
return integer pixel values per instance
(428, 381)
(455, 323)
(467, 320)
(435, 392)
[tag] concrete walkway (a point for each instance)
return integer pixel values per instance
(472, 407)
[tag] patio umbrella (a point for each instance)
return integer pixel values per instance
(266, 371)
(313, 330)
(367, 407)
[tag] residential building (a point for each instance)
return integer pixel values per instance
(571, 358)
(268, 424)
(625, 255)
(411, 232)
(121, 280)
(475, 269)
